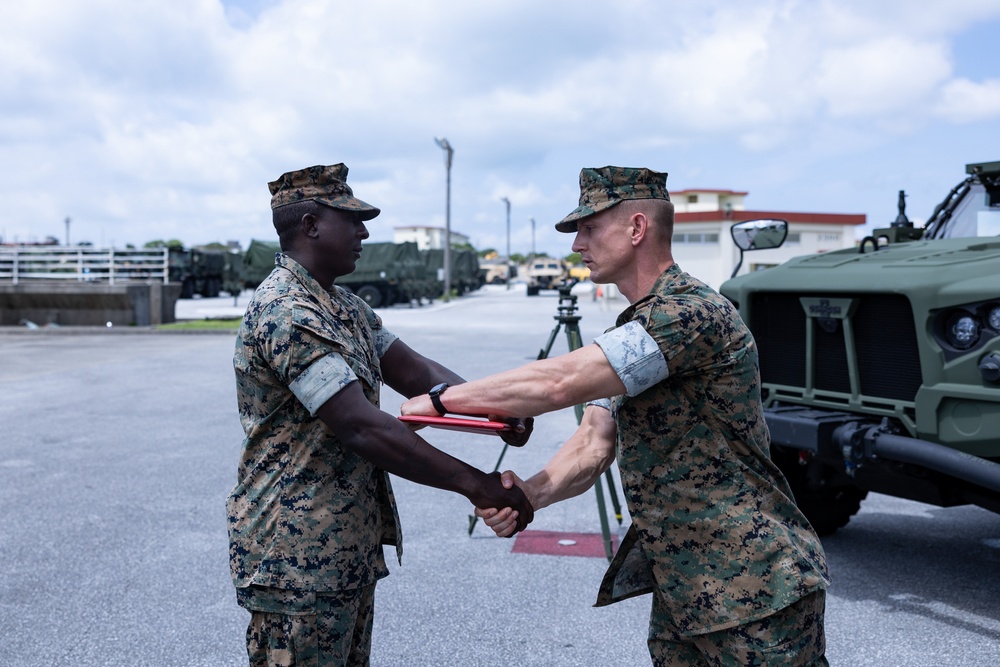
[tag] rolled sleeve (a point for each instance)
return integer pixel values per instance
(601, 403)
(634, 356)
(321, 381)
(383, 339)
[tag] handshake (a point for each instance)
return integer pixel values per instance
(509, 509)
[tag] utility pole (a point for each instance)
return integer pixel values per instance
(448, 152)
(532, 238)
(507, 202)
(67, 230)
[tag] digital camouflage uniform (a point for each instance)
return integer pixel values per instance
(305, 513)
(307, 518)
(715, 533)
(738, 576)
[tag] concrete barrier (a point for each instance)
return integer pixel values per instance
(88, 304)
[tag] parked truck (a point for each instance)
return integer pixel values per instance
(465, 273)
(880, 366)
(206, 272)
(387, 273)
(545, 273)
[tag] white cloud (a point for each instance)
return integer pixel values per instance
(964, 101)
(137, 118)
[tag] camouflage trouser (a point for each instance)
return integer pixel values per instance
(790, 637)
(303, 629)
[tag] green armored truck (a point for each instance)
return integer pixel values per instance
(880, 365)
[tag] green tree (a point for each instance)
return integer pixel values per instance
(172, 244)
(573, 259)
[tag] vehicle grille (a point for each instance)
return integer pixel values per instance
(885, 342)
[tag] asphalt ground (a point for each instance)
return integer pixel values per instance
(117, 453)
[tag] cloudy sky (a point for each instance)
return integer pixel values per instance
(146, 119)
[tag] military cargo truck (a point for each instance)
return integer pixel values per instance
(880, 366)
(206, 272)
(465, 273)
(388, 273)
(258, 260)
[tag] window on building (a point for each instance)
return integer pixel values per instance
(692, 199)
(696, 237)
(793, 238)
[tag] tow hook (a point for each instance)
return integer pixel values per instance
(851, 438)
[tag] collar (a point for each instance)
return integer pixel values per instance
(659, 286)
(306, 279)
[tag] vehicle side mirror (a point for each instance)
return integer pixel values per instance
(760, 234)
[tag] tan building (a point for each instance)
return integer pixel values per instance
(427, 237)
(704, 247)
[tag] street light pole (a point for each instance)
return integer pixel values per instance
(507, 202)
(67, 231)
(448, 152)
(532, 238)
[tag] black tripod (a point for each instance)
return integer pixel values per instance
(566, 316)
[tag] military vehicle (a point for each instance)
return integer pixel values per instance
(880, 365)
(545, 273)
(465, 274)
(385, 273)
(258, 261)
(206, 272)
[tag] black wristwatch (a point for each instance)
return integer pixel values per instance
(435, 394)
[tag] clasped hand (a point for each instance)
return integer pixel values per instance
(507, 520)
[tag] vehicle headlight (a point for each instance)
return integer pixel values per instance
(962, 331)
(994, 318)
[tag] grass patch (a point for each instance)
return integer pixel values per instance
(203, 325)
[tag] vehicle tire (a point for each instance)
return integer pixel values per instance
(827, 497)
(187, 289)
(370, 295)
(533, 290)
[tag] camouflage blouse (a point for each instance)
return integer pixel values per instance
(305, 514)
(714, 526)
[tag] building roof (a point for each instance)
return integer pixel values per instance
(790, 216)
(715, 191)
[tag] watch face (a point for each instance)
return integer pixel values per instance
(437, 389)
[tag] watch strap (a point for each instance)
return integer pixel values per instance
(435, 395)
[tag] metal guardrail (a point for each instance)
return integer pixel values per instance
(82, 264)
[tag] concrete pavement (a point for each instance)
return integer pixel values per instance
(117, 453)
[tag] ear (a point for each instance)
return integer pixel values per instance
(309, 225)
(638, 227)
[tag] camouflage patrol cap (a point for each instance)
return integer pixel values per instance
(601, 188)
(326, 185)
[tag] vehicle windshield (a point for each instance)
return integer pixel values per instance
(973, 217)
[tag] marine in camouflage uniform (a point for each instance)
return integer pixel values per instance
(737, 574)
(715, 531)
(313, 504)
